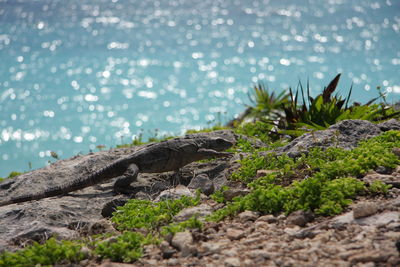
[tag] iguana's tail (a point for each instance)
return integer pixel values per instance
(104, 174)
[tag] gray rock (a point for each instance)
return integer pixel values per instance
(234, 234)
(167, 250)
(391, 179)
(213, 247)
(391, 124)
(248, 216)
(300, 218)
(202, 182)
(183, 242)
(170, 262)
(232, 262)
(369, 256)
(175, 193)
(364, 209)
(108, 263)
(39, 232)
(258, 253)
(345, 134)
(267, 218)
(200, 211)
(219, 181)
(235, 192)
(383, 170)
(396, 151)
(377, 219)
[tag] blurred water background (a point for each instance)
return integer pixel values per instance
(81, 73)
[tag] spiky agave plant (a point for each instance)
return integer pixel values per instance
(266, 104)
(327, 109)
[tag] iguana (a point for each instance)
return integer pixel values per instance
(164, 156)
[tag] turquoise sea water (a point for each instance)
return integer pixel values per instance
(77, 74)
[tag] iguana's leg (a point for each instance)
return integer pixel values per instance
(123, 184)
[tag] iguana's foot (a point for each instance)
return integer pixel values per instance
(176, 178)
(124, 189)
(112, 206)
(128, 189)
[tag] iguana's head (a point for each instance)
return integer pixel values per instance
(217, 143)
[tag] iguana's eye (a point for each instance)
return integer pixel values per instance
(220, 141)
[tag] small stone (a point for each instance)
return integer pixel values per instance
(230, 252)
(383, 170)
(281, 217)
(397, 245)
(234, 192)
(248, 216)
(258, 253)
(267, 218)
(248, 262)
(300, 218)
(234, 234)
(108, 263)
(261, 224)
(167, 250)
(396, 151)
(292, 231)
(172, 262)
(390, 179)
(175, 193)
(202, 182)
(188, 250)
(369, 256)
(232, 262)
(392, 226)
(251, 241)
(364, 209)
(85, 251)
(181, 240)
(199, 211)
(213, 247)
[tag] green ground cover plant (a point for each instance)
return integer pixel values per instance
(46, 254)
(321, 181)
(150, 215)
(126, 247)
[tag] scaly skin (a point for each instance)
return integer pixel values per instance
(170, 155)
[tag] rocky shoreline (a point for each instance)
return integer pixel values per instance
(366, 234)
